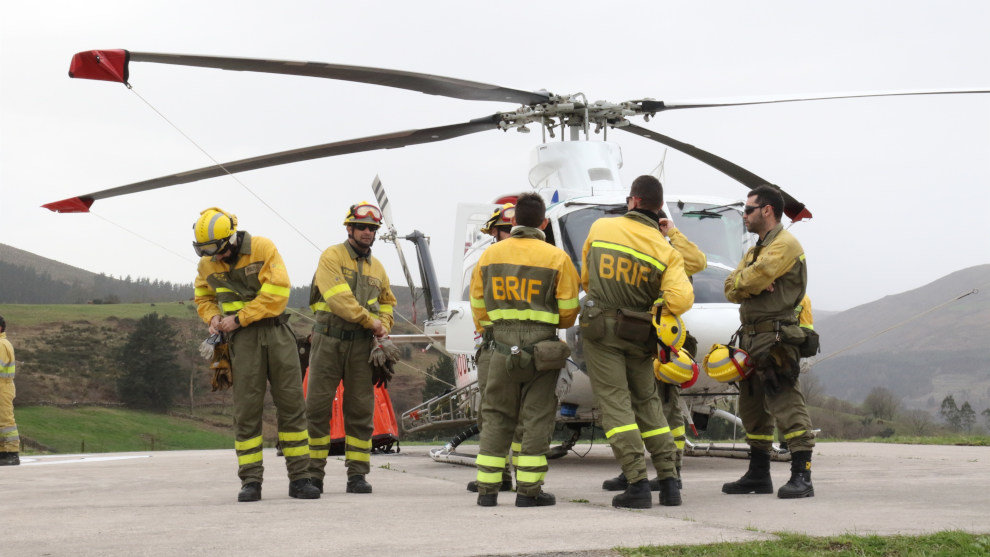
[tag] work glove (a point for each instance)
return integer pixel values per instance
(223, 377)
(207, 347)
(564, 380)
(382, 374)
(383, 350)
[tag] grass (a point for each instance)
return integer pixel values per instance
(96, 429)
(942, 543)
(25, 315)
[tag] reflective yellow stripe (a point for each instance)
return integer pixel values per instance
(630, 251)
(320, 306)
(569, 303)
(7, 371)
(385, 308)
(801, 257)
(225, 290)
(736, 283)
(485, 323)
(249, 458)
(677, 431)
(295, 451)
(357, 443)
(356, 455)
(489, 477)
(759, 437)
(620, 429)
(276, 290)
(522, 476)
(318, 454)
(320, 440)
(371, 301)
(515, 460)
(654, 432)
(680, 445)
(793, 434)
(293, 435)
(229, 307)
(248, 444)
(809, 326)
(532, 461)
(524, 315)
(336, 290)
(476, 303)
(202, 292)
(516, 447)
(491, 462)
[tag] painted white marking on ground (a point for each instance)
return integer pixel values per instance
(72, 459)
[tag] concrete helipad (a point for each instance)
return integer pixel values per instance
(184, 503)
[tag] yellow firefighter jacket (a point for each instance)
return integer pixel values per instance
(777, 259)
(255, 287)
(695, 260)
(629, 264)
(7, 368)
(351, 290)
(523, 278)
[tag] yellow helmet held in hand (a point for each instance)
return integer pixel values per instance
(670, 330)
(212, 231)
(680, 370)
(727, 363)
(500, 217)
(363, 213)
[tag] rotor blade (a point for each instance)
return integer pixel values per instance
(82, 203)
(383, 204)
(660, 106)
(792, 207)
(424, 83)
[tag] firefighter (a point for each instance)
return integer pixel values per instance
(499, 226)
(242, 289)
(628, 269)
(768, 285)
(10, 441)
(527, 289)
(695, 261)
(353, 304)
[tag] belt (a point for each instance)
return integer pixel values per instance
(506, 349)
(763, 327)
(271, 321)
(326, 330)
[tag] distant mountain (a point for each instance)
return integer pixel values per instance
(55, 270)
(925, 355)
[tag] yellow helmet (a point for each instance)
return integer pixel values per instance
(727, 363)
(670, 330)
(500, 217)
(363, 213)
(212, 231)
(680, 370)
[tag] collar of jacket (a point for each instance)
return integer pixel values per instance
(639, 216)
(353, 252)
(242, 247)
(770, 235)
(527, 232)
(3, 334)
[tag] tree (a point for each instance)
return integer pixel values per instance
(950, 412)
(881, 403)
(151, 378)
(967, 417)
(443, 371)
(986, 417)
(918, 422)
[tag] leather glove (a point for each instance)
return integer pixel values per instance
(383, 350)
(564, 380)
(208, 346)
(223, 377)
(382, 374)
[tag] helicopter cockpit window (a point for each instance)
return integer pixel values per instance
(719, 231)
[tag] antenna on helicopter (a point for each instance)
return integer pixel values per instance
(658, 170)
(392, 236)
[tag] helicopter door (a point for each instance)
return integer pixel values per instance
(469, 243)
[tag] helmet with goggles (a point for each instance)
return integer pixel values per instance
(500, 217)
(213, 231)
(363, 213)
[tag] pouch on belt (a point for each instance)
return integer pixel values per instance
(592, 321)
(634, 326)
(550, 355)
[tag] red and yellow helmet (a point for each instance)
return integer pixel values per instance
(727, 363)
(679, 370)
(500, 217)
(363, 213)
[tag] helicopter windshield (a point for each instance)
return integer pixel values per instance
(717, 230)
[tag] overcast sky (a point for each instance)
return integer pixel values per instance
(899, 187)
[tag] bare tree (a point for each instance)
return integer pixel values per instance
(881, 403)
(814, 392)
(918, 422)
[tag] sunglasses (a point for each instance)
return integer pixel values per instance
(750, 208)
(363, 226)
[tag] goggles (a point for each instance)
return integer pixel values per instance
(210, 248)
(367, 212)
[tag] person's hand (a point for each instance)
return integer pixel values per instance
(378, 329)
(770, 288)
(215, 325)
(229, 323)
(666, 226)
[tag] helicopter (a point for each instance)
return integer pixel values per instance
(578, 178)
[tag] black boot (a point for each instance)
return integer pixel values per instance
(756, 479)
(317, 483)
(800, 483)
(357, 484)
(670, 494)
(487, 499)
(250, 492)
(541, 499)
(9, 459)
(619, 483)
(636, 496)
(303, 488)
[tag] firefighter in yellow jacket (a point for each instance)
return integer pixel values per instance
(353, 303)
(527, 289)
(768, 285)
(10, 441)
(695, 261)
(242, 289)
(628, 268)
